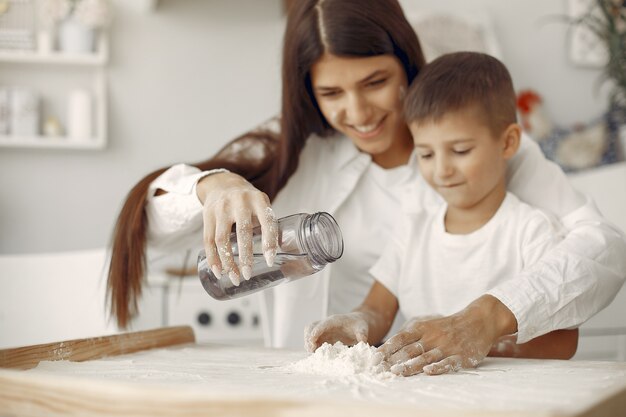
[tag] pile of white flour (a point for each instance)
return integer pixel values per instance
(341, 360)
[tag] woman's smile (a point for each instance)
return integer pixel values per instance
(360, 97)
(369, 131)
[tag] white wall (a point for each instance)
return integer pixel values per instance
(195, 73)
(535, 48)
(182, 81)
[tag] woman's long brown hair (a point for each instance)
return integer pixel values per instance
(265, 157)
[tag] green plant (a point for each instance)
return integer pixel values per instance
(607, 20)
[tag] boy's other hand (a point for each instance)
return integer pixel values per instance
(348, 329)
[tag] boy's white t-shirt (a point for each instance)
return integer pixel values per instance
(431, 271)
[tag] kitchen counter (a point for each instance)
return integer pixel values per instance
(208, 379)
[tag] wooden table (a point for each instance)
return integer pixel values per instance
(163, 372)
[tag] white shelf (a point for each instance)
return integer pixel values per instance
(19, 57)
(44, 142)
(54, 57)
(95, 65)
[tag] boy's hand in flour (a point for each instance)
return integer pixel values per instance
(440, 345)
(348, 328)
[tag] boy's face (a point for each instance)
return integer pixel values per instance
(461, 158)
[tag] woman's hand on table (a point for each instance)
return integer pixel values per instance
(440, 345)
(350, 329)
(228, 199)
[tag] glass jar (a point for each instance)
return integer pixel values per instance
(307, 243)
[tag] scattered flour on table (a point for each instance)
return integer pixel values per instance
(341, 360)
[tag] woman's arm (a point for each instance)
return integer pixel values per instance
(462, 340)
(445, 344)
(579, 276)
(164, 208)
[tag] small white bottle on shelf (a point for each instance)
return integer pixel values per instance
(79, 115)
(24, 112)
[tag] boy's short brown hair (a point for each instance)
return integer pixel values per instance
(457, 80)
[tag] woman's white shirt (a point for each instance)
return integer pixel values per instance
(366, 219)
(573, 281)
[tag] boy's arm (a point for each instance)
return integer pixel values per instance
(379, 310)
(559, 344)
(369, 322)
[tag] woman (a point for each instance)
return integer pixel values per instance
(344, 148)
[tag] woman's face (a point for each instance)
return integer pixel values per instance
(362, 98)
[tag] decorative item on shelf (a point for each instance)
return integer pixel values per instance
(44, 42)
(17, 25)
(79, 115)
(576, 148)
(4, 111)
(52, 127)
(78, 22)
(24, 112)
(605, 21)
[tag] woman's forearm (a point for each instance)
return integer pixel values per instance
(570, 284)
(503, 319)
(214, 181)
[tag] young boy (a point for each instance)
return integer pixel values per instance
(461, 113)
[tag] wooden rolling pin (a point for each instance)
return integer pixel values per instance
(95, 347)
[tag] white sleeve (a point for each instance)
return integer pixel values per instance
(175, 218)
(579, 276)
(541, 233)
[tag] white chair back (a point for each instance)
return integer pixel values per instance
(52, 297)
